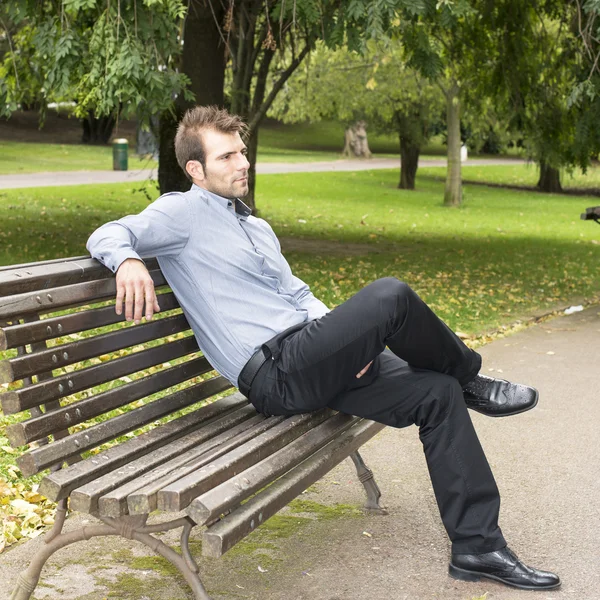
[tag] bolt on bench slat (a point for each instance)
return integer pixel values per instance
(60, 419)
(179, 494)
(68, 354)
(57, 298)
(223, 535)
(17, 279)
(60, 484)
(135, 474)
(234, 491)
(140, 499)
(40, 458)
(58, 387)
(46, 329)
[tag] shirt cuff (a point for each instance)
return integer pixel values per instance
(115, 260)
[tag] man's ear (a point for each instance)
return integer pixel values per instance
(195, 170)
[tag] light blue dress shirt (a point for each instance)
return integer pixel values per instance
(224, 265)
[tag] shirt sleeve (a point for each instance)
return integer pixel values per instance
(161, 229)
(300, 290)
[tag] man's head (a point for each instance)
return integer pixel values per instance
(210, 150)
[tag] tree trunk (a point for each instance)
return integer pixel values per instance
(203, 61)
(549, 179)
(356, 142)
(252, 144)
(453, 191)
(97, 130)
(409, 163)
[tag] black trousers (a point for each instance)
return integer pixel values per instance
(417, 381)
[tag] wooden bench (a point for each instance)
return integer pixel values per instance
(125, 421)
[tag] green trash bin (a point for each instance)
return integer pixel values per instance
(120, 154)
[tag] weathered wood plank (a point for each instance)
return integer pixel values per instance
(38, 459)
(68, 354)
(57, 298)
(232, 492)
(58, 387)
(139, 499)
(59, 485)
(177, 496)
(60, 419)
(108, 495)
(224, 534)
(17, 279)
(26, 333)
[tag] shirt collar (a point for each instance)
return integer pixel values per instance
(242, 210)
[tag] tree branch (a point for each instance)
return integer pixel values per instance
(262, 111)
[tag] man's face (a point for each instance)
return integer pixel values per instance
(226, 172)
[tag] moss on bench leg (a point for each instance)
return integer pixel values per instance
(134, 528)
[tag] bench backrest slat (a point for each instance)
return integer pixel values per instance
(15, 401)
(41, 458)
(59, 485)
(17, 279)
(46, 329)
(57, 298)
(74, 352)
(60, 419)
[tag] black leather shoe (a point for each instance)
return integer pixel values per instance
(503, 566)
(498, 397)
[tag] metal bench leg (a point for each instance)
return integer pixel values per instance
(129, 527)
(365, 476)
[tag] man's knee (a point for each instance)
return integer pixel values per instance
(392, 294)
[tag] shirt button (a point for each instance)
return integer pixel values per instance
(230, 203)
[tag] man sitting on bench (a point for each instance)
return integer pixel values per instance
(262, 328)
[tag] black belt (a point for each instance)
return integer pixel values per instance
(251, 368)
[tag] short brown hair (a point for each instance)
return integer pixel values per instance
(188, 141)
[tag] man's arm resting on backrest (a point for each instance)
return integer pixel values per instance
(162, 229)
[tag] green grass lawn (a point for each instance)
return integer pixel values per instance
(524, 174)
(503, 254)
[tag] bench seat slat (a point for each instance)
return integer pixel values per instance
(18, 279)
(58, 387)
(60, 484)
(57, 298)
(115, 485)
(232, 492)
(224, 534)
(68, 354)
(46, 329)
(140, 499)
(60, 419)
(41, 458)
(177, 496)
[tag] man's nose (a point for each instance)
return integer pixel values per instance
(243, 162)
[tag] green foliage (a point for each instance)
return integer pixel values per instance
(107, 57)
(376, 86)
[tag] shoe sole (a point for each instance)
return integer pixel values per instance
(464, 575)
(509, 414)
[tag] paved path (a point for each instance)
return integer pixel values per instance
(546, 463)
(88, 177)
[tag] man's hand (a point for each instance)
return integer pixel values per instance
(134, 285)
(364, 370)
